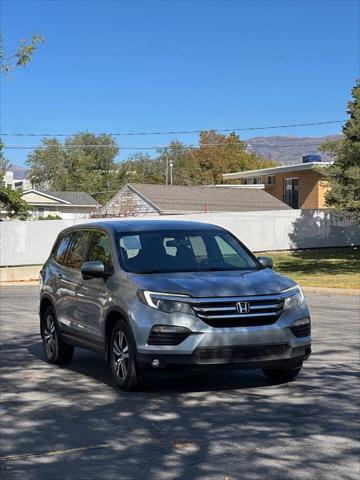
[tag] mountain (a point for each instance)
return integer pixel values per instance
(19, 172)
(288, 150)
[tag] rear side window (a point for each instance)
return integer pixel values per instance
(100, 250)
(61, 250)
(77, 249)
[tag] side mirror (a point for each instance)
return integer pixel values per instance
(93, 270)
(265, 262)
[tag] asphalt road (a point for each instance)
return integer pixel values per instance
(71, 423)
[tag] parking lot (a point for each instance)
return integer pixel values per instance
(71, 423)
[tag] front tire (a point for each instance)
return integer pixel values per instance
(282, 375)
(122, 357)
(55, 349)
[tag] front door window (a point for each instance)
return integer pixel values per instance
(291, 192)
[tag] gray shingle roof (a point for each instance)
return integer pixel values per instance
(217, 199)
(75, 198)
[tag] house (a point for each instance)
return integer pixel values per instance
(148, 199)
(66, 205)
(9, 180)
(300, 186)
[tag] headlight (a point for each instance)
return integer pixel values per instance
(165, 302)
(295, 299)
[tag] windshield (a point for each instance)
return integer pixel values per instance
(182, 251)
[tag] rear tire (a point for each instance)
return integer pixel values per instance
(122, 356)
(282, 375)
(55, 349)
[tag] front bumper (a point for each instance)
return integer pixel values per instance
(218, 359)
(263, 346)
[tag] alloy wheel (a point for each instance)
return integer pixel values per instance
(121, 355)
(50, 336)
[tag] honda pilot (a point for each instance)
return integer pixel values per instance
(153, 295)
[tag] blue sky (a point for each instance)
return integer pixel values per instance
(114, 66)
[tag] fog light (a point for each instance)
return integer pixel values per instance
(302, 327)
(168, 335)
(155, 363)
(301, 322)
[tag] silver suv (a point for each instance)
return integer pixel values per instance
(165, 295)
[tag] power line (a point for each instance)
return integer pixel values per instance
(127, 113)
(200, 55)
(156, 147)
(179, 132)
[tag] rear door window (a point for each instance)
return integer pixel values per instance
(77, 249)
(61, 250)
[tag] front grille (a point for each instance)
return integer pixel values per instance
(231, 354)
(223, 313)
(301, 330)
(167, 338)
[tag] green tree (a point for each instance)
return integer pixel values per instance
(140, 168)
(344, 174)
(218, 154)
(205, 164)
(185, 167)
(10, 200)
(4, 163)
(84, 162)
(15, 206)
(48, 165)
(22, 56)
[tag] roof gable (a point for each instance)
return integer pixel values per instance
(59, 197)
(35, 196)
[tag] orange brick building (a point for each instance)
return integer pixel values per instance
(299, 186)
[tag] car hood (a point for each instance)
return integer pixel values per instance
(215, 284)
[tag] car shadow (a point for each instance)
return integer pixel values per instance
(93, 365)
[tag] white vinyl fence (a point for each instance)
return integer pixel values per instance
(29, 243)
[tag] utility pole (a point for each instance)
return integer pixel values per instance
(166, 170)
(171, 164)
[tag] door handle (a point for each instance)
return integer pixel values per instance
(60, 276)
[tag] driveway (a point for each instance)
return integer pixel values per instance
(71, 423)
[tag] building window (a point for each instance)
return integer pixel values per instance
(252, 180)
(291, 192)
(271, 180)
(41, 212)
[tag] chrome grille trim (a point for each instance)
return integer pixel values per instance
(214, 309)
(240, 315)
(247, 298)
(221, 312)
(233, 309)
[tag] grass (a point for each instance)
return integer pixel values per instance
(330, 267)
